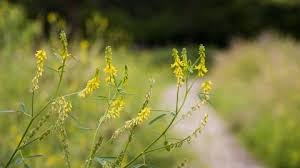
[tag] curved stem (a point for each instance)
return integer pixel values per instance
(178, 109)
(101, 120)
(161, 135)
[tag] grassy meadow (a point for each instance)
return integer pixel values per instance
(22, 38)
(256, 89)
(257, 93)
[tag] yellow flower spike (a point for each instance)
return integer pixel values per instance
(40, 56)
(202, 70)
(109, 70)
(206, 87)
(143, 115)
(65, 52)
(178, 67)
(91, 85)
(185, 63)
(116, 108)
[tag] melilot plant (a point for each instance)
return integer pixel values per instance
(59, 108)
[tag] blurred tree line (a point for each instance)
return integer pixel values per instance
(165, 21)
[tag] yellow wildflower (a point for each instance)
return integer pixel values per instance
(115, 108)
(142, 116)
(109, 70)
(202, 70)
(178, 67)
(206, 87)
(91, 85)
(40, 60)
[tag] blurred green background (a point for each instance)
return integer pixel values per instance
(253, 56)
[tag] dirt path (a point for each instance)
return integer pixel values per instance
(216, 147)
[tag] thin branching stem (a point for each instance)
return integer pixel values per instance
(177, 111)
(161, 135)
(101, 120)
(25, 132)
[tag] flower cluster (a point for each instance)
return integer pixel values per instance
(202, 70)
(142, 116)
(206, 88)
(185, 63)
(65, 52)
(109, 69)
(91, 85)
(116, 108)
(62, 107)
(40, 60)
(178, 66)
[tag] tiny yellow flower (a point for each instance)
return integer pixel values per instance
(91, 85)
(178, 67)
(40, 60)
(116, 108)
(202, 70)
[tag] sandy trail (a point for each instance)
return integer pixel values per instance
(216, 147)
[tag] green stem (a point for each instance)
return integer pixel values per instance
(24, 134)
(178, 109)
(161, 135)
(19, 144)
(164, 147)
(60, 76)
(126, 147)
(32, 104)
(101, 120)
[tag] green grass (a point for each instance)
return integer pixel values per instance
(257, 86)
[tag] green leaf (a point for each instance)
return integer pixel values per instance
(8, 111)
(18, 161)
(33, 156)
(78, 123)
(157, 118)
(22, 108)
(105, 160)
(52, 69)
